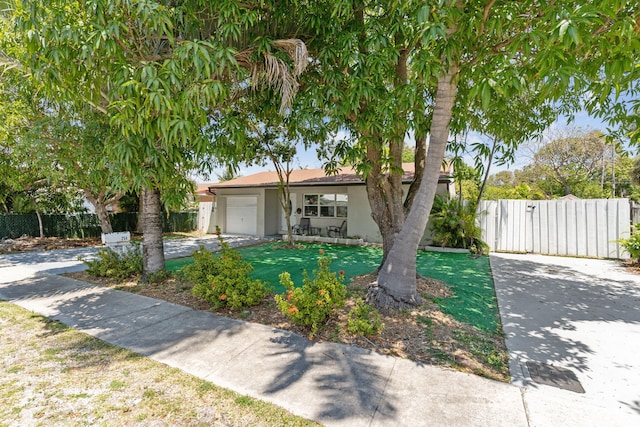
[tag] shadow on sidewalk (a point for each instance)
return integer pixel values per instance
(327, 381)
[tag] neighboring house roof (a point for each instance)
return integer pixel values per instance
(569, 197)
(204, 192)
(309, 177)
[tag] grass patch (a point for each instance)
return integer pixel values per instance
(474, 301)
(69, 378)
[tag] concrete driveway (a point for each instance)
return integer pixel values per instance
(573, 320)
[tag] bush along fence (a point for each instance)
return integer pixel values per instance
(86, 225)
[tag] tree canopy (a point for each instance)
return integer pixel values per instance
(157, 71)
(383, 71)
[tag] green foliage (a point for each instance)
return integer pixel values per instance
(520, 191)
(364, 320)
(318, 298)
(632, 244)
(110, 263)
(224, 280)
(454, 225)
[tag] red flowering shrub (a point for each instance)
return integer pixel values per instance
(318, 298)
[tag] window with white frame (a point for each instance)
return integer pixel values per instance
(325, 205)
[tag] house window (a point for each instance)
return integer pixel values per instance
(325, 205)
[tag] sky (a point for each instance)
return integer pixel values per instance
(308, 159)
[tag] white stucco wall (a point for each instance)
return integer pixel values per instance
(269, 215)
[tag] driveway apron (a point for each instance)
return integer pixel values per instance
(572, 328)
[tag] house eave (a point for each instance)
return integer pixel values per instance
(442, 180)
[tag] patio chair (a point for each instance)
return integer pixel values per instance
(335, 231)
(304, 227)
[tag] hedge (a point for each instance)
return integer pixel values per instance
(86, 225)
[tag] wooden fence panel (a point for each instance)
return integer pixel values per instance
(586, 228)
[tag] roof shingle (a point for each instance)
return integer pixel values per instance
(301, 177)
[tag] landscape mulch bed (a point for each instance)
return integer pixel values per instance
(425, 334)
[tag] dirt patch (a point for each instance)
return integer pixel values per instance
(33, 244)
(53, 375)
(424, 334)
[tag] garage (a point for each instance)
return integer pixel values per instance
(242, 215)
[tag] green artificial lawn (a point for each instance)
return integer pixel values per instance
(474, 301)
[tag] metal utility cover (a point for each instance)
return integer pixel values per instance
(554, 376)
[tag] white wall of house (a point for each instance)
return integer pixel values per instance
(269, 215)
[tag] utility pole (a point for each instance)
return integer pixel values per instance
(613, 170)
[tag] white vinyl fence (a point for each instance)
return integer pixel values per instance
(205, 212)
(584, 228)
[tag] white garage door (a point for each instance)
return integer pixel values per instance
(242, 215)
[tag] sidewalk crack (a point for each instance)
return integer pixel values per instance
(524, 405)
(383, 393)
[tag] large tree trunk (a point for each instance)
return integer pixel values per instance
(396, 284)
(101, 210)
(153, 249)
(384, 191)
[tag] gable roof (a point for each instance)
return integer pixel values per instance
(310, 177)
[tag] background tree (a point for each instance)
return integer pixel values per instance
(258, 133)
(499, 139)
(157, 71)
(71, 149)
(570, 160)
(584, 163)
(467, 181)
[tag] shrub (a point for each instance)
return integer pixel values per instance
(454, 225)
(224, 280)
(110, 263)
(632, 244)
(318, 298)
(364, 319)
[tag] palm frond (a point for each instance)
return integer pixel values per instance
(275, 73)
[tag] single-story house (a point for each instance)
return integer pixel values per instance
(251, 204)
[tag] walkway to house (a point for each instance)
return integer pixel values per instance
(331, 383)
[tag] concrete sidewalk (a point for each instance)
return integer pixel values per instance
(334, 384)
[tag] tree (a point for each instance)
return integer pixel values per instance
(268, 137)
(584, 163)
(158, 71)
(408, 154)
(467, 180)
(415, 66)
(500, 138)
(72, 147)
(573, 159)
(65, 146)
(29, 176)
